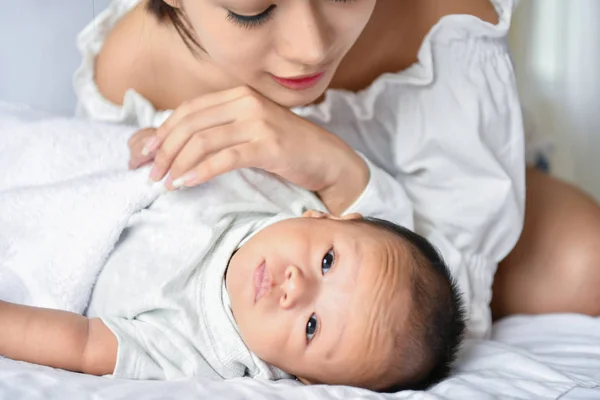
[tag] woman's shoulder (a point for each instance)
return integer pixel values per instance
(400, 32)
(122, 62)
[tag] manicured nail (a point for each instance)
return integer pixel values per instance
(184, 180)
(154, 173)
(150, 146)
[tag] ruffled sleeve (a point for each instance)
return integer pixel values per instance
(449, 130)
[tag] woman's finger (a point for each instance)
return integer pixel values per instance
(137, 143)
(194, 124)
(229, 159)
(198, 104)
(204, 144)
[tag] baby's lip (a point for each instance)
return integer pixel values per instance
(262, 281)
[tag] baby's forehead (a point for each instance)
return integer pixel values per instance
(383, 292)
(387, 253)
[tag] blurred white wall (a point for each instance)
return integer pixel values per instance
(37, 50)
(556, 47)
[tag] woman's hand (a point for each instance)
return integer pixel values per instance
(137, 143)
(240, 128)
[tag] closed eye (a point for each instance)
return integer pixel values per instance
(251, 21)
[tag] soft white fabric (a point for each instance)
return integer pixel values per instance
(53, 237)
(448, 129)
(543, 357)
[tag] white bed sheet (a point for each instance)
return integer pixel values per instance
(542, 357)
(528, 357)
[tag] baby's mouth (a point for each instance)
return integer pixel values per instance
(262, 282)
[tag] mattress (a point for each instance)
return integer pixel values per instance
(528, 357)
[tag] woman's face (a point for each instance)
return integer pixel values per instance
(288, 50)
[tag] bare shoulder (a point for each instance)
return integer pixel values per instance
(399, 21)
(482, 9)
(125, 57)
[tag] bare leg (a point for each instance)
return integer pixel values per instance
(555, 266)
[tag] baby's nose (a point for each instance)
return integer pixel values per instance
(294, 288)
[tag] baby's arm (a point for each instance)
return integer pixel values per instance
(57, 339)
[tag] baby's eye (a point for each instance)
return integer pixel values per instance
(311, 327)
(327, 262)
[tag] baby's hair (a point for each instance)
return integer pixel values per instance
(164, 11)
(436, 320)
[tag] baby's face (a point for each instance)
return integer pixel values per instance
(311, 296)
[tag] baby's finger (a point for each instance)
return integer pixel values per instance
(198, 104)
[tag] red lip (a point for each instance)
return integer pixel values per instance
(301, 82)
(262, 281)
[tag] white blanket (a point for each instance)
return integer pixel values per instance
(65, 197)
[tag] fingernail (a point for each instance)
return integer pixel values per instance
(154, 173)
(150, 146)
(169, 182)
(183, 180)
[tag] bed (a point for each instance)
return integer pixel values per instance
(541, 357)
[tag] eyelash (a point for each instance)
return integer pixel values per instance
(251, 21)
(254, 21)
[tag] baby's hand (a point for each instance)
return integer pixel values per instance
(137, 145)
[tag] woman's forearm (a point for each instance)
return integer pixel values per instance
(57, 339)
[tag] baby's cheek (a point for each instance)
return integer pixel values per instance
(262, 337)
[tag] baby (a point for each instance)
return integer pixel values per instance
(261, 282)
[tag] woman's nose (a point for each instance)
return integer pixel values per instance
(306, 41)
(295, 288)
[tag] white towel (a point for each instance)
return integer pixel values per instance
(65, 197)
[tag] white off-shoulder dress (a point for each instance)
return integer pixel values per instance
(447, 133)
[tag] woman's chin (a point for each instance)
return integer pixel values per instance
(290, 98)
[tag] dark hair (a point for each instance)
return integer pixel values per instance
(437, 318)
(164, 11)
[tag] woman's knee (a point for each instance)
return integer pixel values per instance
(555, 266)
(576, 270)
